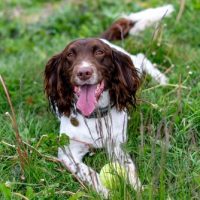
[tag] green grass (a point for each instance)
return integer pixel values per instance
(164, 140)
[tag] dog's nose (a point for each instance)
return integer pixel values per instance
(84, 73)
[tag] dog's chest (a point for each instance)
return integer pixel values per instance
(96, 131)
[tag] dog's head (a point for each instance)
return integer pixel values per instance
(84, 71)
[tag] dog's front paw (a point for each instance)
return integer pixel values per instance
(102, 190)
(134, 180)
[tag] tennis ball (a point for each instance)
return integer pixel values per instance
(112, 174)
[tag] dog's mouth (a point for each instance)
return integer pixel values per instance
(88, 96)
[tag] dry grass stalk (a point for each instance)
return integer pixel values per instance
(23, 155)
(181, 9)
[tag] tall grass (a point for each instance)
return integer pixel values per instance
(163, 131)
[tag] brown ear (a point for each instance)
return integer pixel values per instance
(57, 86)
(125, 81)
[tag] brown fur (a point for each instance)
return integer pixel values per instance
(58, 88)
(114, 67)
(118, 30)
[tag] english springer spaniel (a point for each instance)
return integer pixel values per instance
(90, 85)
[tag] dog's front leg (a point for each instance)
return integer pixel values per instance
(71, 156)
(117, 154)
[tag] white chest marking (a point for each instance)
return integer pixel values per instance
(96, 131)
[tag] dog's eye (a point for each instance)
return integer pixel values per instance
(70, 54)
(99, 52)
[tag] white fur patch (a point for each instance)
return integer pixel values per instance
(104, 99)
(148, 17)
(142, 64)
(85, 64)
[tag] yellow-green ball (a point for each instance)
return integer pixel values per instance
(112, 174)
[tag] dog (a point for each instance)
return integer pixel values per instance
(90, 86)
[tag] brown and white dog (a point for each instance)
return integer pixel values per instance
(90, 85)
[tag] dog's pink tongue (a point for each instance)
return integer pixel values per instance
(87, 101)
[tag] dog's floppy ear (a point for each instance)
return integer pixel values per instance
(57, 86)
(125, 81)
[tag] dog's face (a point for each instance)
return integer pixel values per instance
(88, 59)
(84, 70)
(88, 62)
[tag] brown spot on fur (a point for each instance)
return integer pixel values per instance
(118, 30)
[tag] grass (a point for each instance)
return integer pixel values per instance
(164, 135)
